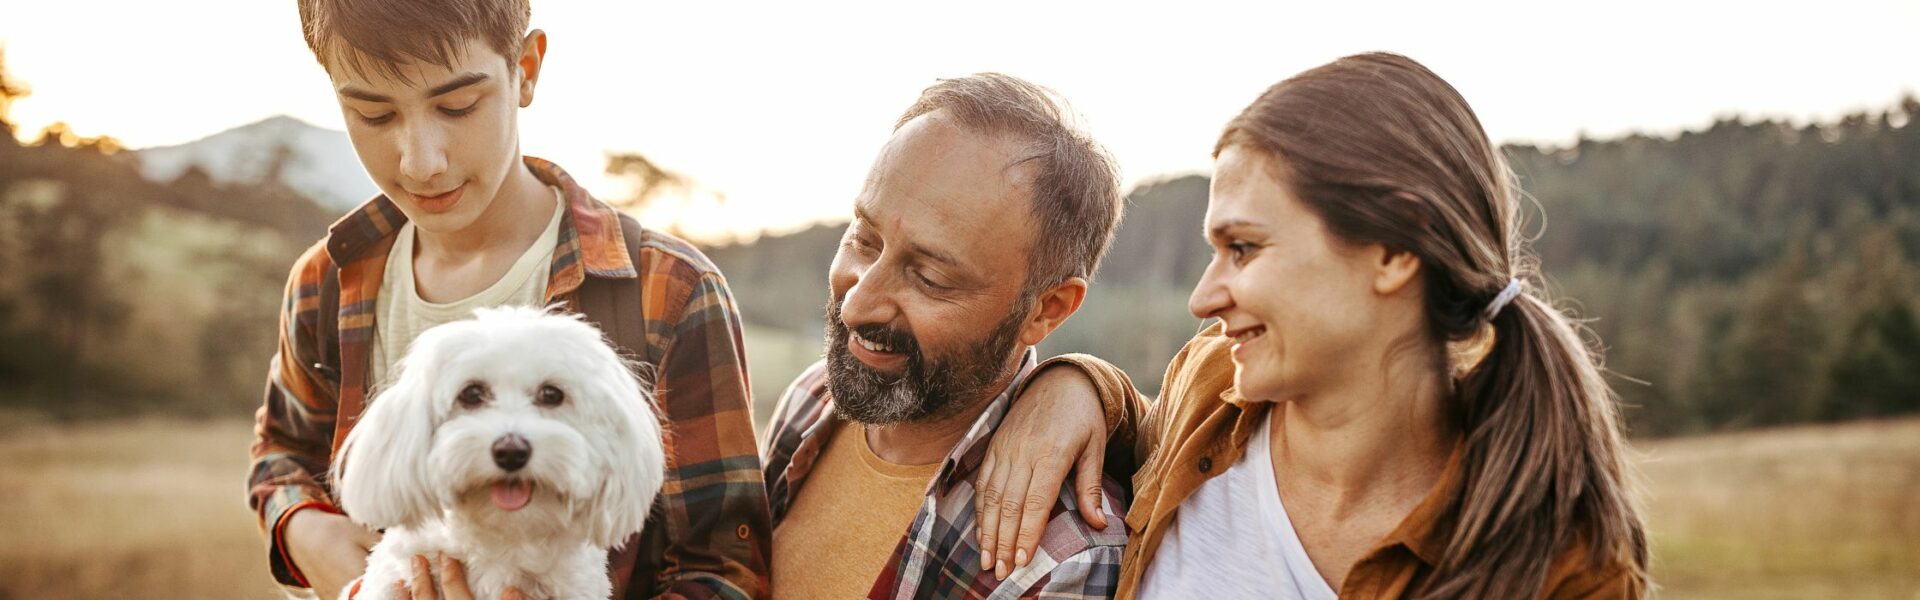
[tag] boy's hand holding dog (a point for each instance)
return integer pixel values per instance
(330, 549)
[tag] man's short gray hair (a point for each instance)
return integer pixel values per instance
(1076, 190)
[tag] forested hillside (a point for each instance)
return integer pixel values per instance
(1753, 273)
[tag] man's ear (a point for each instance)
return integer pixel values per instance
(1051, 309)
(1393, 269)
(533, 51)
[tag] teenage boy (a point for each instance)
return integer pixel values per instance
(430, 91)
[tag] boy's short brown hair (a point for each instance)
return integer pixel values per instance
(380, 34)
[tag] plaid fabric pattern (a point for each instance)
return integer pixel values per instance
(709, 537)
(938, 556)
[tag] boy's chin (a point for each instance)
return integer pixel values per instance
(450, 222)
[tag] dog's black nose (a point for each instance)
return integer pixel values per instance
(511, 452)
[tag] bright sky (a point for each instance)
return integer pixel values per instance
(782, 105)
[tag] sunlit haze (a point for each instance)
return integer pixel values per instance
(781, 106)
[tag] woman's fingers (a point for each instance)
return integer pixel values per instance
(1086, 485)
(1014, 500)
(986, 504)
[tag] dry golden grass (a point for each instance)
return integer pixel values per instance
(1806, 512)
(152, 509)
(156, 509)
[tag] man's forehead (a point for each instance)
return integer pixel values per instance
(937, 160)
(939, 134)
(930, 242)
(966, 234)
(952, 189)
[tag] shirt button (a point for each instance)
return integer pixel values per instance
(743, 532)
(1206, 464)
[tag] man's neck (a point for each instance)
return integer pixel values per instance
(519, 212)
(930, 441)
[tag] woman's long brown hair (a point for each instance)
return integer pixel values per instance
(1388, 153)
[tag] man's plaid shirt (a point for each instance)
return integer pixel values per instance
(709, 536)
(938, 556)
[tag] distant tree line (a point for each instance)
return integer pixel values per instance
(1754, 273)
(118, 294)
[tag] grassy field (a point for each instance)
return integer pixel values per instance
(155, 509)
(148, 509)
(1808, 512)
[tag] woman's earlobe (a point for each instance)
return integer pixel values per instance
(1396, 269)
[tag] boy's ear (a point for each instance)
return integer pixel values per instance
(533, 50)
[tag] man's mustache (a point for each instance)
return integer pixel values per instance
(899, 339)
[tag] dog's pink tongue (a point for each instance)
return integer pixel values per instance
(512, 496)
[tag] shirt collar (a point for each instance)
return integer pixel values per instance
(1429, 527)
(590, 236)
(960, 462)
(1231, 395)
(966, 455)
(972, 449)
(1251, 413)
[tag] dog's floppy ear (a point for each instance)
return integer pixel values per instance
(381, 474)
(635, 459)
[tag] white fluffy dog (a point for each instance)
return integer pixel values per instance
(519, 443)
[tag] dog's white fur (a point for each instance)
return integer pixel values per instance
(420, 465)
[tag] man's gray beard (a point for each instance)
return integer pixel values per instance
(925, 390)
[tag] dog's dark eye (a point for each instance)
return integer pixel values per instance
(550, 396)
(472, 396)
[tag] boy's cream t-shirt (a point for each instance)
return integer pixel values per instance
(400, 314)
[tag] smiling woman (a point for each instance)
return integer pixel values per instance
(1366, 237)
(1384, 394)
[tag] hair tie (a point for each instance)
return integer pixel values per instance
(1501, 301)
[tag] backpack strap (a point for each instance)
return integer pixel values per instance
(634, 566)
(602, 302)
